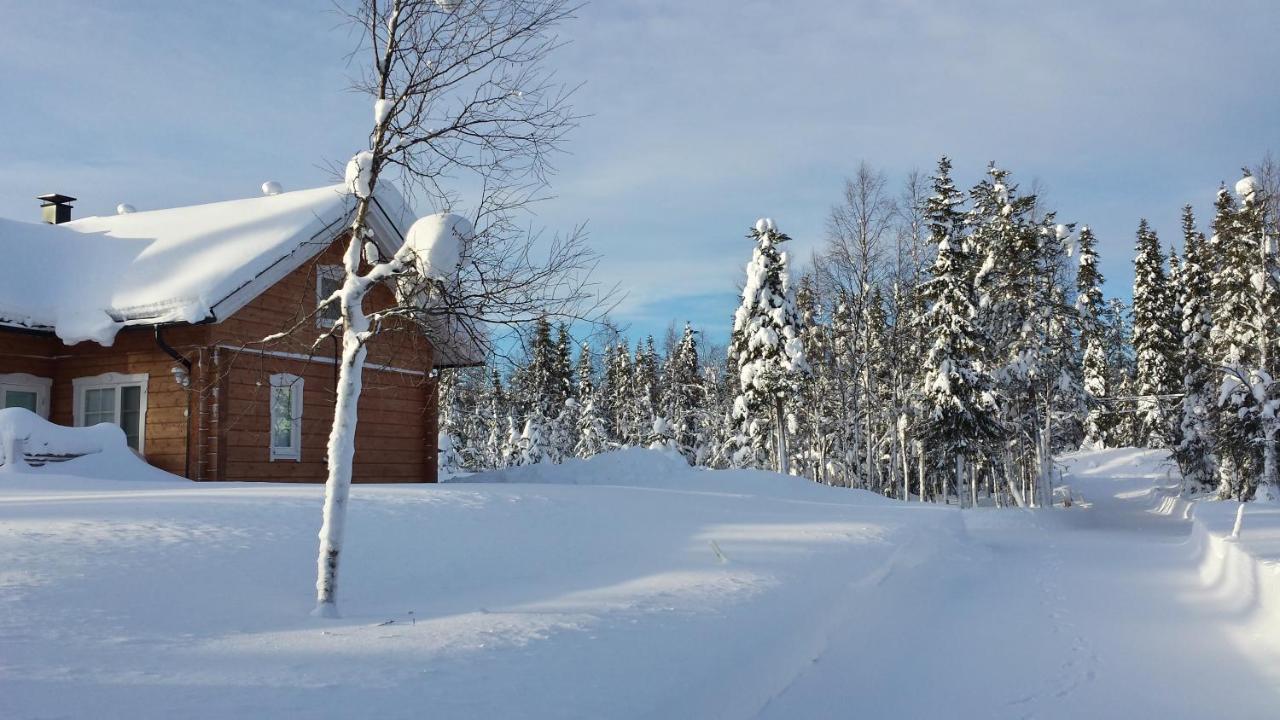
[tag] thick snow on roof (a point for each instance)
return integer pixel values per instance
(87, 278)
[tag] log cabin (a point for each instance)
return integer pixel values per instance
(197, 331)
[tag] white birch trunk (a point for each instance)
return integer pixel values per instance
(342, 436)
(337, 489)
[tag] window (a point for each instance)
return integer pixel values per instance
(286, 417)
(25, 391)
(113, 398)
(328, 281)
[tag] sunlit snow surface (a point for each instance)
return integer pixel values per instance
(630, 586)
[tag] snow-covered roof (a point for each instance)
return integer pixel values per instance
(86, 279)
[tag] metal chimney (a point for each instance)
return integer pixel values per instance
(56, 207)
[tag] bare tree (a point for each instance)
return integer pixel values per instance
(852, 264)
(460, 96)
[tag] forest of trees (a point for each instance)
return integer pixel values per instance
(941, 346)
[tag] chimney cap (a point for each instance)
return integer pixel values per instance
(55, 199)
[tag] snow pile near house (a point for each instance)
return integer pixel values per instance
(656, 469)
(88, 278)
(98, 452)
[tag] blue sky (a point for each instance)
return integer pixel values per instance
(702, 115)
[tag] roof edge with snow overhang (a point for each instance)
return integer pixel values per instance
(89, 278)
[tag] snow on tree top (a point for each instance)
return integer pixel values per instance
(765, 225)
(184, 264)
(1246, 187)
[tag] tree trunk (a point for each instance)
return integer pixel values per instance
(784, 463)
(920, 467)
(906, 465)
(342, 448)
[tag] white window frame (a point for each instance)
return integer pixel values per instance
(295, 385)
(326, 272)
(117, 381)
(23, 382)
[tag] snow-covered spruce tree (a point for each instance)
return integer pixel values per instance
(1059, 376)
(545, 386)
(494, 409)
(767, 345)
(1194, 451)
(1089, 303)
(535, 445)
(1235, 346)
(566, 426)
(1154, 346)
(1257, 218)
(661, 437)
(685, 398)
(1249, 385)
(616, 394)
(958, 414)
(1118, 351)
(1012, 316)
(591, 436)
(644, 392)
(1174, 331)
(502, 133)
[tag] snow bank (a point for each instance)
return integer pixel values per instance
(1239, 577)
(1243, 572)
(100, 451)
(659, 470)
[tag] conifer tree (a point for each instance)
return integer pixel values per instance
(767, 345)
(1235, 350)
(958, 413)
(1153, 345)
(1089, 303)
(616, 394)
(1194, 451)
(1015, 314)
(684, 403)
(591, 436)
(495, 410)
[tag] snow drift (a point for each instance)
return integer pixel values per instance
(655, 469)
(96, 452)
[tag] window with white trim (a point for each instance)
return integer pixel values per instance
(286, 417)
(328, 281)
(114, 398)
(25, 391)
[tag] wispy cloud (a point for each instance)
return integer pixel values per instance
(701, 116)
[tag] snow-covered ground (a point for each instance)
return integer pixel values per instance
(631, 586)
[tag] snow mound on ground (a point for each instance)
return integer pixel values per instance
(654, 469)
(100, 451)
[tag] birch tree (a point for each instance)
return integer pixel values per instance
(461, 96)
